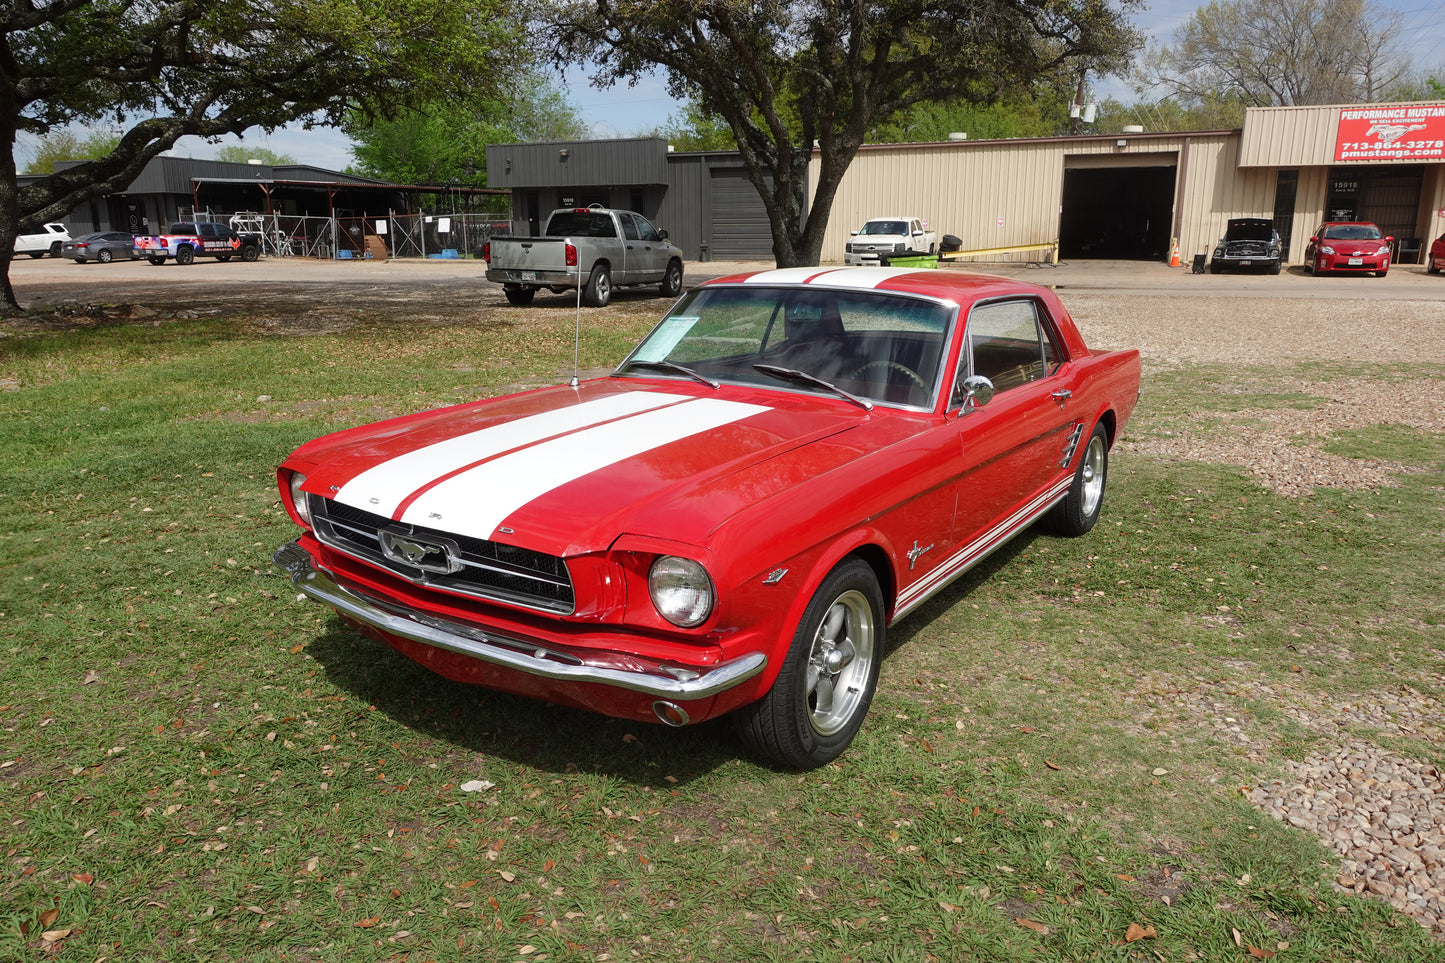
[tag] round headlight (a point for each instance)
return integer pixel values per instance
(681, 590)
(298, 497)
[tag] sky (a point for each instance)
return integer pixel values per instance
(623, 111)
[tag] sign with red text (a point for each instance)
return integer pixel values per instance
(1409, 132)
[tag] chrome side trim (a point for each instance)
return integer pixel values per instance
(970, 555)
(522, 656)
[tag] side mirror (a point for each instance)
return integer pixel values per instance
(662, 233)
(1315, 239)
(977, 392)
(852, 233)
(1389, 240)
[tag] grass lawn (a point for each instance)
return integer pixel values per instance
(196, 766)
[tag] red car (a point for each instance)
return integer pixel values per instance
(1435, 263)
(1353, 247)
(789, 462)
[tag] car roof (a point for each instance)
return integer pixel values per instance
(942, 284)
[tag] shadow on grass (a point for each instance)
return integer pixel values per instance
(554, 738)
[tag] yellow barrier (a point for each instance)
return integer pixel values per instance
(1051, 246)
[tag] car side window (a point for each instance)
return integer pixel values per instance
(1009, 344)
(629, 227)
(649, 233)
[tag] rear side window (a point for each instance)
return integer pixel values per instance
(629, 227)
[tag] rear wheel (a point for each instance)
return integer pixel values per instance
(818, 702)
(104, 257)
(55, 249)
(223, 258)
(518, 295)
(1079, 510)
(184, 255)
(599, 287)
(671, 285)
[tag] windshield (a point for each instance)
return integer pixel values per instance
(1353, 232)
(885, 348)
(885, 227)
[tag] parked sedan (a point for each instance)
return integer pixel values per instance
(728, 523)
(1435, 263)
(1351, 247)
(104, 247)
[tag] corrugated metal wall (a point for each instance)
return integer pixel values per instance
(1289, 136)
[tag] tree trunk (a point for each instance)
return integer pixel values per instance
(9, 218)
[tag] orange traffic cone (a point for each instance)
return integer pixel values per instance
(1174, 257)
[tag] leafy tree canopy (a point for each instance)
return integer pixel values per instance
(784, 75)
(163, 70)
(446, 142)
(241, 154)
(1281, 53)
(66, 145)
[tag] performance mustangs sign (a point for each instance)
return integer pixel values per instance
(1408, 132)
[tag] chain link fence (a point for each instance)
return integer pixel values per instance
(374, 238)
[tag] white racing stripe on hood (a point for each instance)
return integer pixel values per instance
(858, 277)
(382, 488)
(475, 502)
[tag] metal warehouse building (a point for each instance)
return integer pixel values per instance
(1128, 195)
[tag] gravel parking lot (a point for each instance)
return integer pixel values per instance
(1378, 810)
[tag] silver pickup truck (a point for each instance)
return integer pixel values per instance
(596, 247)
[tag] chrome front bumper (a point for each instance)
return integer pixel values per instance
(682, 683)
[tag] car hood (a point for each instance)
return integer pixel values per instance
(1249, 229)
(567, 470)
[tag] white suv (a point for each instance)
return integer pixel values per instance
(39, 245)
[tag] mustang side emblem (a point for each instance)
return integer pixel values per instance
(915, 552)
(438, 557)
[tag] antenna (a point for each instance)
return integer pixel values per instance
(577, 329)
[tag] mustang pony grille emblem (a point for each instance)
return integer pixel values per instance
(437, 556)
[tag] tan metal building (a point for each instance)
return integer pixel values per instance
(1132, 195)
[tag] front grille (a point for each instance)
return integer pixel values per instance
(485, 569)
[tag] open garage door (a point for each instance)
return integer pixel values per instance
(740, 229)
(1123, 212)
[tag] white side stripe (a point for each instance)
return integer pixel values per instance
(475, 502)
(382, 488)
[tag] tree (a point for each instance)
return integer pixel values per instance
(695, 128)
(65, 145)
(1282, 53)
(786, 75)
(241, 154)
(163, 70)
(446, 142)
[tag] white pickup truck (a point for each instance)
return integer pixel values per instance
(596, 247)
(882, 238)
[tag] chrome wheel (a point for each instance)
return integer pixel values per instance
(1091, 475)
(840, 663)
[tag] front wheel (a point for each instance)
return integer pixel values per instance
(1079, 510)
(671, 285)
(223, 258)
(157, 261)
(104, 257)
(817, 704)
(599, 288)
(250, 252)
(36, 253)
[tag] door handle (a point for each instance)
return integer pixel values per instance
(1062, 395)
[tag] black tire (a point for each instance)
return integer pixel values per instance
(1215, 267)
(105, 257)
(952, 242)
(1432, 269)
(80, 260)
(671, 285)
(599, 288)
(223, 258)
(518, 295)
(932, 249)
(157, 261)
(1275, 268)
(250, 252)
(822, 694)
(1080, 509)
(36, 253)
(55, 249)
(185, 255)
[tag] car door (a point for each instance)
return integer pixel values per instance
(655, 250)
(634, 261)
(1017, 448)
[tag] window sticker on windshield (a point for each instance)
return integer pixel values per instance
(665, 338)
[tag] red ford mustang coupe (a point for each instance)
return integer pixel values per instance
(789, 462)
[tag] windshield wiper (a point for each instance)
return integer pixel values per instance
(793, 374)
(674, 367)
